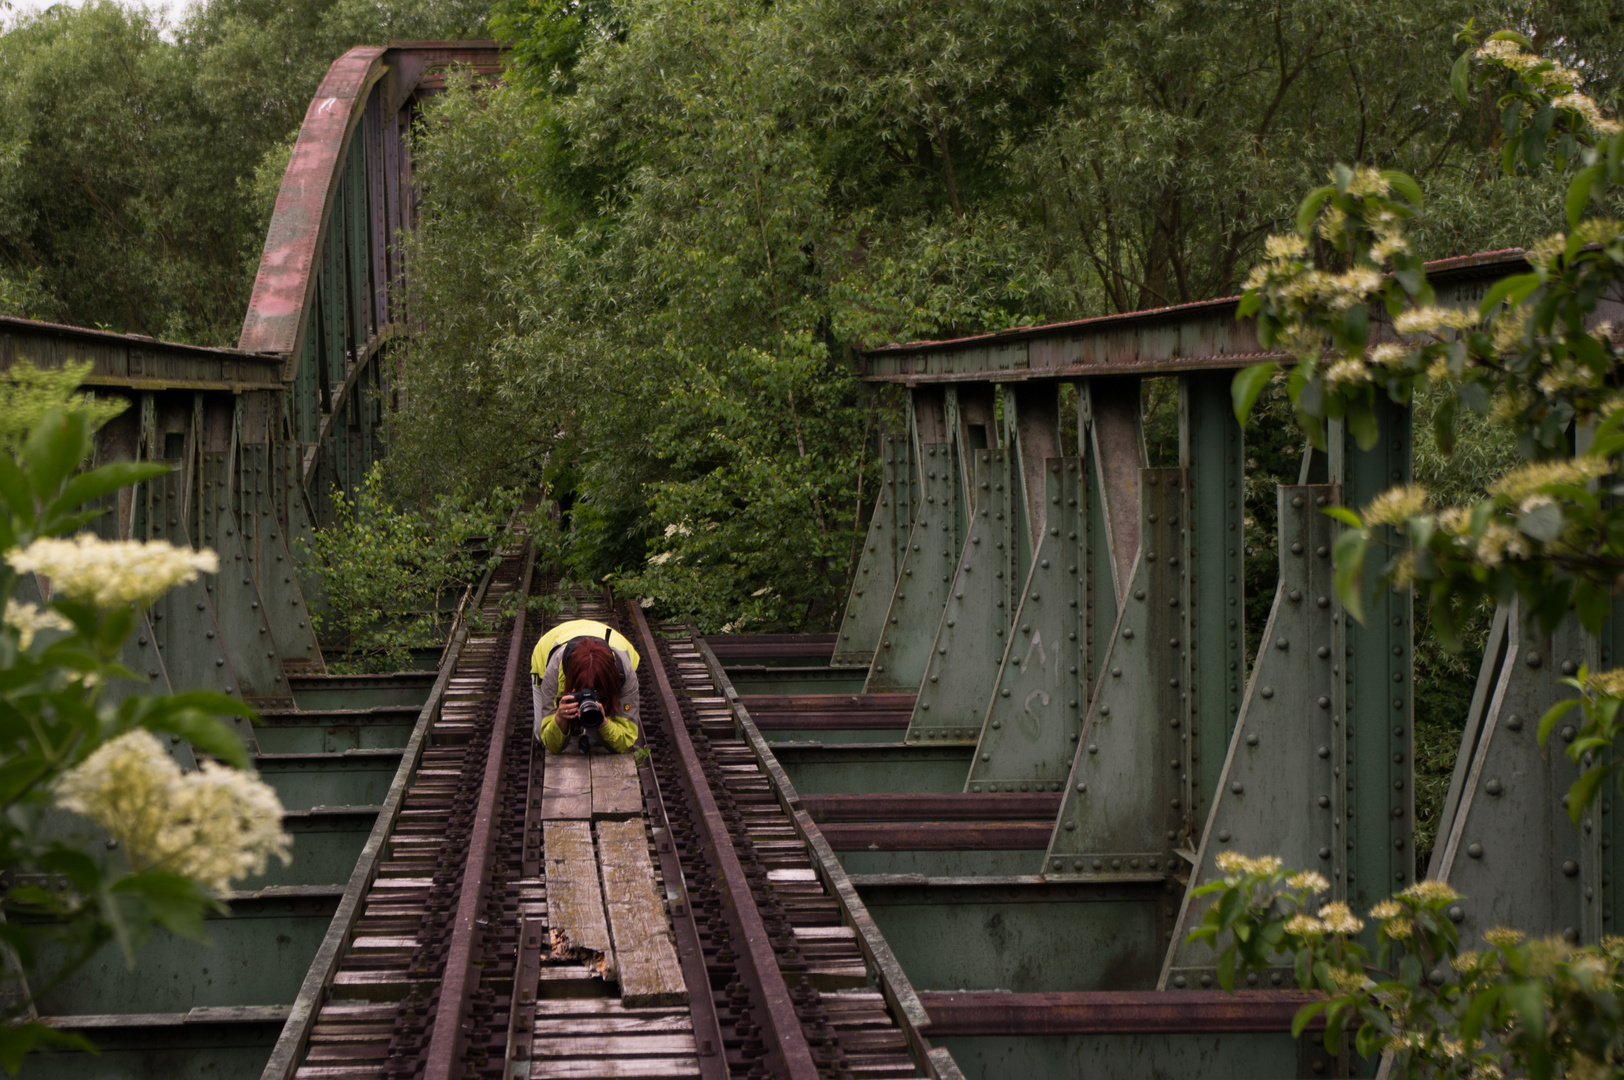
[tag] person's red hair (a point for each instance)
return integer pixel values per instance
(591, 665)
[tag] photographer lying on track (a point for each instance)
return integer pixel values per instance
(585, 673)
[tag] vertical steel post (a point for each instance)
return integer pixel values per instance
(1211, 448)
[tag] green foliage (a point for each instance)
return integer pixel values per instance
(391, 573)
(1540, 1008)
(29, 392)
(134, 153)
(66, 894)
(644, 261)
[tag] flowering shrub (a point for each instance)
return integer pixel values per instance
(180, 839)
(1533, 354)
(1541, 1008)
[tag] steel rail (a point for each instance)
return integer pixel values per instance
(783, 1036)
(894, 983)
(448, 1035)
(291, 1046)
(709, 1039)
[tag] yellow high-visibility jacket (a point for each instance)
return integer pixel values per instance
(548, 685)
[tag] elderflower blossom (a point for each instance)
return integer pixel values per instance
(1396, 505)
(1504, 937)
(1431, 891)
(1534, 69)
(1402, 574)
(1516, 486)
(1391, 355)
(1568, 375)
(1304, 926)
(1500, 541)
(1233, 862)
(1606, 683)
(112, 573)
(1455, 520)
(1431, 320)
(660, 559)
(1368, 181)
(1289, 246)
(1387, 909)
(1466, 961)
(1391, 244)
(1308, 879)
(1547, 249)
(213, 825)
(1346, 372)
(1587, 108)
(1349, 982)
(1599, 231)
(29, 619)
(1340, 919)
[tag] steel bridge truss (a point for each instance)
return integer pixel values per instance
(1078, 617)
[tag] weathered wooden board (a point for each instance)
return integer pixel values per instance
(615, 788)
(574, 896)
(613, 1046)
(566, 788)
(649, 971)
(621, 1069)
(661, 1024)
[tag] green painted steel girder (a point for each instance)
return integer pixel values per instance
(881, 561)
(921, 589)
(1212, 451)
(1283, 789)
(1509, 846)
(1128, 802)
(964, 661)
(1034, 714)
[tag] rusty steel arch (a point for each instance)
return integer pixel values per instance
(328, 300)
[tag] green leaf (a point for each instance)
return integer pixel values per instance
(1248, 385)
(1405, 185)
(1362, 423)
(1583, 791)
(1542, 523)
(1349, 557)
(17, 1041)
(1579, 193)
(1309, 209)
(1552, 715)
(203, 731)
(1344, 515)
(1511, 35)
(174, 902)
(1460, 77)
(104, 481)
(1514, 289)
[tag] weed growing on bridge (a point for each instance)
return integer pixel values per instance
(166, 845)
(1539, 1008)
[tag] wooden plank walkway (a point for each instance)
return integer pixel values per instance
(645, 954)
(574, 895)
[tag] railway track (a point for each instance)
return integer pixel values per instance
(445, 960)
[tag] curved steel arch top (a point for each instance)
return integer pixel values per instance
(366, 77)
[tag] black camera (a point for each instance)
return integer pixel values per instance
(591, 709)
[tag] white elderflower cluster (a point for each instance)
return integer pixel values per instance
(29, 619)
(1397, 505)
(111, 573)
(1587, 108)
(1233, 862)
(1534, 69)
(214, 825)
(1340, 919)
(1431, 320)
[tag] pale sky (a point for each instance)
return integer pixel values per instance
(9, 9)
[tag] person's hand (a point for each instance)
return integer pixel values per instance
(568, 712)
